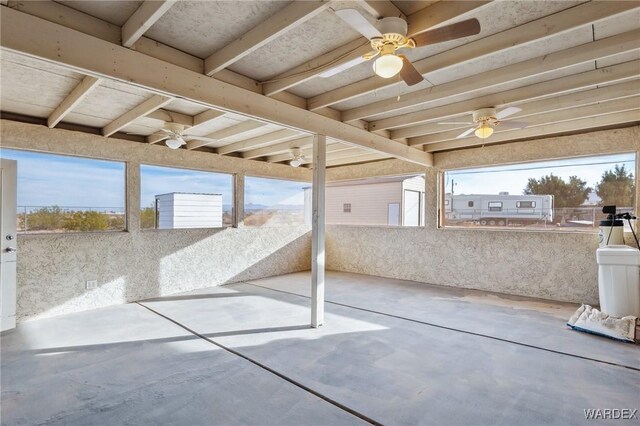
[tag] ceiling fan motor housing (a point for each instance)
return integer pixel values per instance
(484, 114)
(393, 26)
(176, 128)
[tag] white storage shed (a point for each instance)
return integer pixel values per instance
(188, 210)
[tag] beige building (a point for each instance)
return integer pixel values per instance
(386, 201)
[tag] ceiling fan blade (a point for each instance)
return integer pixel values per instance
(336, 70)
(507, 112)
(511, 124)
(359, 23)
(465, 133)
(409, 73)
(449, 32)
(455, 122)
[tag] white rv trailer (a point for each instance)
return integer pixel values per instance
(498, 209)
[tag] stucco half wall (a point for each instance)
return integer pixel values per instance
(133, 265)
(551, 265)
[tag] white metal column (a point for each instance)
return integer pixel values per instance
(318, 227)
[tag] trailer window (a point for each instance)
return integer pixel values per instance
(556, 195)
(346, 208)
(526, 204)
(495, 206)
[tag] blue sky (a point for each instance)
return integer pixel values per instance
(48, 179)
(272, 192)
(155, 180)
(513, 178)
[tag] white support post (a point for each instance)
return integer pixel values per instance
(318, 225)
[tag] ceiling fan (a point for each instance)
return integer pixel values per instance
(390, 35)
(485, 119)
(298, 159)
(173, 133)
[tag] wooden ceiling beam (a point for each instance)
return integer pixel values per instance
(273, 27)
(544, 105)
(355, 159)
(66, 47)
(614, 119)
(591, 110)
(332, 149)
(515, 96)
(381, 9)
(278, 148)
(166, 116)
(258, 141)
(203, 119)
(565, 20)
(72, 100)
(221, 135)
(544, 64)
(64, 15)
(146, 107)
(418, 22)
(142, 19)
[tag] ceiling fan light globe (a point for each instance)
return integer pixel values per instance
(173, 143)
(386, 66)
(295, 163)
(484, 131)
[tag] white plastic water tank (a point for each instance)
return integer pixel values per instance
(619, 280)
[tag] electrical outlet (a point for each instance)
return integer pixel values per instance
(91, 285)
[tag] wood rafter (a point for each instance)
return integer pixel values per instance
(516, 96)
(381, 9)
(67, 47)
(613, 119)
(221, 135)
(277, 136)
(281, 147)
(544, 106)
(142, 19)
(146, 107)
(288, 18)
(418, 22)
(63, 15)
(584, 53)
(166, 116)
(74, 98)
(583, 111)
(332, 148)
(576, 16)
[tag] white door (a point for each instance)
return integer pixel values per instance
(8, 183)
(394, 214)
(411, 208)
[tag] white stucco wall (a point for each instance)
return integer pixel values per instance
(133, 265)
(550, 265)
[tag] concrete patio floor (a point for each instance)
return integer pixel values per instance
(391, 352)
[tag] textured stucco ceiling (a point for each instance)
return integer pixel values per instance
(114, 11)
(203, 27)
